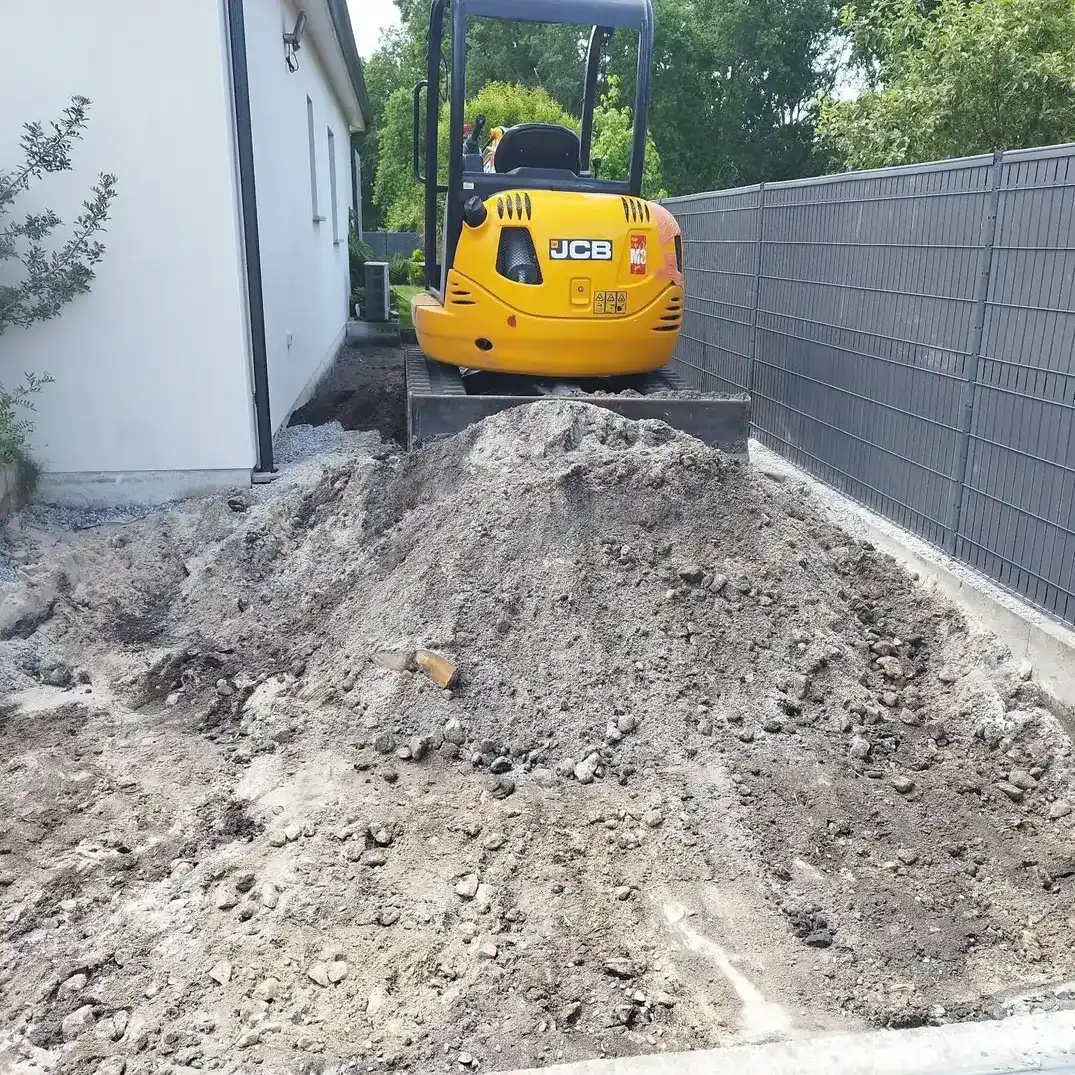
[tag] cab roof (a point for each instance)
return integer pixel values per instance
(615, 14)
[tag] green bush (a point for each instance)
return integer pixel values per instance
(15, 430)
(417, 268)
(399, 270)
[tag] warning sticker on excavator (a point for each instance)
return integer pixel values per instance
(610, 302)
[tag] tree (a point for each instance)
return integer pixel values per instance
(40, 281)
(954, 79)
(613, 142)
(734, 85)
(396, 195)
(548, 57)
(390, 75)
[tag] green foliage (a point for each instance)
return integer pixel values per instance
(38, 281)
(549, 57)
(399, 269)
(734, 83)
(504, 104)
(403, 293)
(358, 253)
(397, 196)
(15, 427)
(48, 280)
(957, 79)
(27, 475)
(416, 268)
(613, 139)
(734, 89)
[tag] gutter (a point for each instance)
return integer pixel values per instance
(248, 208)
(341, 23)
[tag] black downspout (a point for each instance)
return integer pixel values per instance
(240, 80)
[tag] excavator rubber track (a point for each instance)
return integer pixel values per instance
(443, 400)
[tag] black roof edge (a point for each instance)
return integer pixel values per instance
(341, 21)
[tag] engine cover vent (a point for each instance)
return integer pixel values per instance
(516, 258)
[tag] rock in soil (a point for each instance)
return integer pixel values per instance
(690, 725)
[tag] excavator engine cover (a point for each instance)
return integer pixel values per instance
(558, 284)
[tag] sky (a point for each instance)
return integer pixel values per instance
(369, 18)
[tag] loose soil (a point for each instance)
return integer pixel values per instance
(362, 390)
(710, 772)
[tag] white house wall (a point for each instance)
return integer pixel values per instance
(152, 368)
(303, 262)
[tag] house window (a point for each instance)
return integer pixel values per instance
(313, 160)
(332, 187)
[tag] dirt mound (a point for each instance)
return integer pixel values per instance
(709, 770)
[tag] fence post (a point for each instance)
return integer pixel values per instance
(757, 289)
(974, 349)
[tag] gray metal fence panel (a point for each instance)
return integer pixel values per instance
(720, 240)
(388, 244)
(1018, 515)
(908, 335)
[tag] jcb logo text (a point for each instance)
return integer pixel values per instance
(580, 249)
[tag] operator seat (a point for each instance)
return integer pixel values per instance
(544, 146)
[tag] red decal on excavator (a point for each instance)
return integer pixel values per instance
(666, 267)
(638, 255)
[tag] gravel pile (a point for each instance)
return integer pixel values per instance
(568, 736)
(300, 443)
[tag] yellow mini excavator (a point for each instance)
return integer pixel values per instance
(547, 278)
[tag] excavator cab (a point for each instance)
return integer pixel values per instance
(542, 268)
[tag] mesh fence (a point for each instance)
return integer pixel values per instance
(908, 335)
(389, 244)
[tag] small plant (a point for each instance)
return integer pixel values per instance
(15, 428)
(40, 281)
(418, 268)
(399, 269)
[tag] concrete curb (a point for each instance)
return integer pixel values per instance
(1031, 635)
(375, 332)
(1041, 1042)
(95, 489)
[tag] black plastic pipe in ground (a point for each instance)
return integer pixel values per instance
(248, 205)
